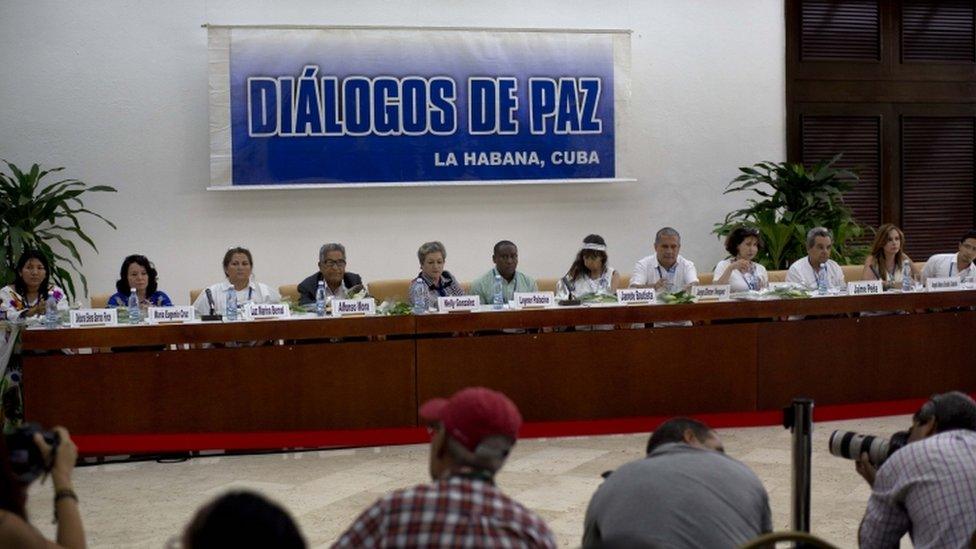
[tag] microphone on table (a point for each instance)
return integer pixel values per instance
(570, 287)
(213, 308)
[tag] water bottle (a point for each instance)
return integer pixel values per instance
(230, 308)
(51, 316)
(751, 282)
(498, 293)
(320, 299)
(135, 314)
(822, 286)
(906, 276)
(418, 297)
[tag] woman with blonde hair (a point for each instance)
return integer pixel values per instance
(887, 257)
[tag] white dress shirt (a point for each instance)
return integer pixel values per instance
(255, 292)
(801, 272)
(648, 271)
(737, 280)
(946, 265)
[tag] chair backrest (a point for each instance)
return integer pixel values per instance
(289, 292)
(705, 278)
(547, 284)
(777, 276)
(194, 294)
(390, 290)
(766, 541)
(624, 280)
(853, 273)
(100, 301)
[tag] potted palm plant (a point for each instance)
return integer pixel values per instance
(45, 217)
(793, 199)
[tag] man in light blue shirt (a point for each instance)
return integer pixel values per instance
(505, 257)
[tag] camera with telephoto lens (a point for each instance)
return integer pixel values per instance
(26, 461)
(850, 445)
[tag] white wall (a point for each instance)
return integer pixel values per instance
(117, 92)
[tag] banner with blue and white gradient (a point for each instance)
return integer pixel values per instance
(371, 106)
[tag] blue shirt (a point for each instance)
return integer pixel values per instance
(157, 299)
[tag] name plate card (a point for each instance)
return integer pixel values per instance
(946, 284)
(167, 315)
(534, 300)
(458, 303)
(267, 310)
(79, 318)
(354, 307)
(865, 287)
(636, 296)
(713, 292)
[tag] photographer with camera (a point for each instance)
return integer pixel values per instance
(928, 487)
(20, 463)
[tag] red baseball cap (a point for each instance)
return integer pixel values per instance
(474, 413)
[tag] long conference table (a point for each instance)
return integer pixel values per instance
(325, 374)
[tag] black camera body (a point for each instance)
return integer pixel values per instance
(26, 461)
(850, 445)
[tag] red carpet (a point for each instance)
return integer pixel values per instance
(106, 445)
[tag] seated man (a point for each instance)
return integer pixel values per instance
(332, 269)
(665, 270)
(685, 493)
(806, 270)
(473, 432)
(958, 264)
(505, 258)
(927, 488)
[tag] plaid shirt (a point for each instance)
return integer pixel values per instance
(927, 488)
(456, 512)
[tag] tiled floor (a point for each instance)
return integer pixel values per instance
(144, 504)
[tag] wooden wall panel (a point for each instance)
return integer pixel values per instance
(840, 30)
(925, 68)
(938, 30)
(267, 388)
(859, 139)
(600, 374)
(938, 175)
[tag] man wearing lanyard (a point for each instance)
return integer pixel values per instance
(958, 264)
(807, 270)
(665, 270)
(505, 258)
(473, 432)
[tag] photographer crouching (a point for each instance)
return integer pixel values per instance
(26, 454)
(927, 487)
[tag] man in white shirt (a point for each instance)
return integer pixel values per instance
(958, 264)
(665, 270)
(806, 270)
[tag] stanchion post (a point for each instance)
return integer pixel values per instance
(798, 418)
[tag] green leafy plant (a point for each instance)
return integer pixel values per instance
(792, 200)
(677, 298)
(598, 298)
(36, 215)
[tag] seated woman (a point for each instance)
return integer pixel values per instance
(138, 272)
(435, 281)
(589, 273)
(886, 258)
(739, 270)
(32, 286)
(237, 267)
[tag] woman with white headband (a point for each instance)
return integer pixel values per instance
(589, 273)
